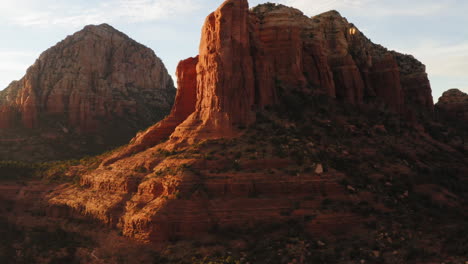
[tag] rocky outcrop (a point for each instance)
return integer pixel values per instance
(96, 81)
(225, 76)
(453, 105)
(417, 90)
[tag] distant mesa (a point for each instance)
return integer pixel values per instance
(90, 92)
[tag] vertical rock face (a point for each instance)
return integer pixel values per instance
(383, 81)
(225, 71)
(186, 93)
(95, 81)
(415, 83)
(225, 76)
(327, 51)
(362, 71)
(339, 41)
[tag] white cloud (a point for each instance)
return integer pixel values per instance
(50, 12)
(13, 65)
(14, 54)
(375, 8)
(447, 64)
(319, 6)
(444, 60)
(16, 60)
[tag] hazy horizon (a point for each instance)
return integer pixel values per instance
(429, 30)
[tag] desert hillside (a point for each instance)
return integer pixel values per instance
(291, 140)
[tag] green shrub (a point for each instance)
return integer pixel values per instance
(15, 170)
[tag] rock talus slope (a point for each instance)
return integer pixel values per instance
(96, 81)
(249, 60)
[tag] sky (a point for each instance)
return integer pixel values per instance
(434, 31)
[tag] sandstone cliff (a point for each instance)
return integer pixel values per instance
(96, 83)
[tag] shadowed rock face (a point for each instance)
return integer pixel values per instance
(184, 106)
(96, 81)
(453, 104)
(452, 111)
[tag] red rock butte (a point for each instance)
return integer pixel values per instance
(247, 60)
(248, 56)
(94, 81)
